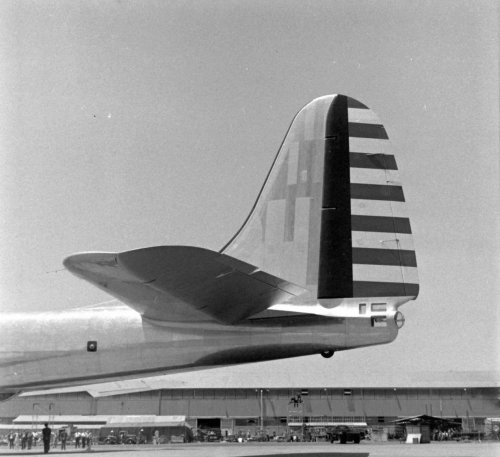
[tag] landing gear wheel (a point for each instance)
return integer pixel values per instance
(327, 354)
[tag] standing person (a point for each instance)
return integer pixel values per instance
(64, 437)
(30, 439)
(157, 437)
(46, 432)
(11, 440)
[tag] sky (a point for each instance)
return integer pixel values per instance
(130, 124)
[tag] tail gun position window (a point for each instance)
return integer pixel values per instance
(379, 307)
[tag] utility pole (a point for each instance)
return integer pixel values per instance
(34, 416)
(160, 398)
(261, 411)
(51, 414)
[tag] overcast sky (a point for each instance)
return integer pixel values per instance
(132, 124)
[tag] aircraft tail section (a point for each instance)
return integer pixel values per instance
(331, 215)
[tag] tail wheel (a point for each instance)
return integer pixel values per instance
(328, 353)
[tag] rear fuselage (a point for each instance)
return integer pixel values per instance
(40, 350)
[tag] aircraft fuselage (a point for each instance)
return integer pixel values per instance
(42, 350)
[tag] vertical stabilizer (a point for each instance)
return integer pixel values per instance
(331, 215)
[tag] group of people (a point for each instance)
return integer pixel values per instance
(24, 439)
(27, 439)
(296, 401)
(444, 434)
(83, 439)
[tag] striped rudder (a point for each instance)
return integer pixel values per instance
(331, 216)
(384, 262)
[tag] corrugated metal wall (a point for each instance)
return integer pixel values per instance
(231, 403)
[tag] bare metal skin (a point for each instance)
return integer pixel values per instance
(50, 349)
(322, 264)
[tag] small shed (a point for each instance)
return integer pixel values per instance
(170, 428)
(419, 428)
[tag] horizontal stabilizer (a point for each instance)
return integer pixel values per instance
(183, 283)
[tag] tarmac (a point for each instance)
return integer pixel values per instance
(365, 449)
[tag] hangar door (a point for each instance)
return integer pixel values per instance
(210, 423)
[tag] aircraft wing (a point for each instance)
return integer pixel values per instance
(183, 283)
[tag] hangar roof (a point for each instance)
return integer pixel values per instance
(258, 377)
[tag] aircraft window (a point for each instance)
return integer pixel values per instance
(362, 308)
(379, 321)
(378, 307)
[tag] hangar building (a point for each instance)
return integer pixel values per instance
(273, 408)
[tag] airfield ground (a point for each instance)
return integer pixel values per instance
(365, 449)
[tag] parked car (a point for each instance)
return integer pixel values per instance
(126, 439)
(213, 436)
(130, 439)
(111, 439)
